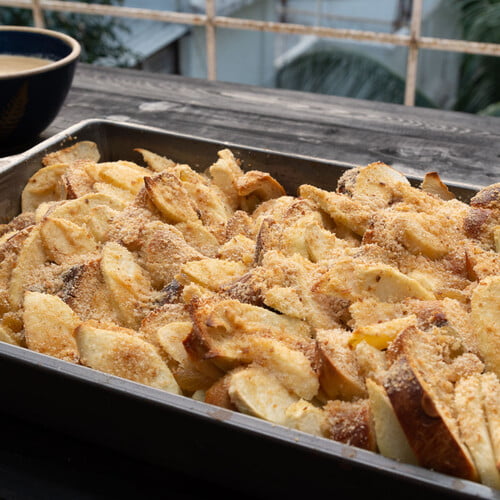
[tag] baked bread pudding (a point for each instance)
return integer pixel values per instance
(369, 315)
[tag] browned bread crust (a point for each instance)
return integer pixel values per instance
(434, 443)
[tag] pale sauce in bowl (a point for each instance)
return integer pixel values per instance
(14, 64)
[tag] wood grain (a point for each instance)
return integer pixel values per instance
(461, 147)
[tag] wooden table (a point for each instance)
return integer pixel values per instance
(460, 147)
(38, 463)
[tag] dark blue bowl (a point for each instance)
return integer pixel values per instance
(31, 99)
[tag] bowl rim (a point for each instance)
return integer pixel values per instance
(73, 55)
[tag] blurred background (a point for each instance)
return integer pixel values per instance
(371, 62)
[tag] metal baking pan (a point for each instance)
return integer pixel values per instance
(209, 443)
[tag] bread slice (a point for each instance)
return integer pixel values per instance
(290, 366)
(217, 394)
(375, 184)
(211, 273)
(379, 335)
(474, 428)
(371, 362)
(191, 374)
(422, 398)
(225, 173)
(338, 370)
(215, 318)
(345, 211)
(351, 422)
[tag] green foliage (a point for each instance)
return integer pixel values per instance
(345, 73)
(491, 110)
(480, 75)
(98, 35)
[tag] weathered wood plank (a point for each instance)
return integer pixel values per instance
(288, 104)
(461, 147)
(458, 161)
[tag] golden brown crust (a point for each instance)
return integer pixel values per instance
(433, 442)
(217, 394)
(22, 221)
(82, 150)
(351, 423)
(488, 197)
(84, 290)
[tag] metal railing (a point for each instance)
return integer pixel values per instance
(414, 41)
